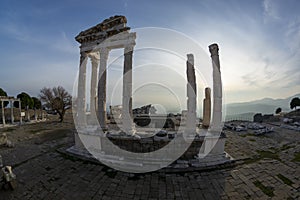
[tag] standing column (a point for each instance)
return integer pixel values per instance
(191, 95)
(127, 116)
(35, 114)
(28, 113)
(20, 111)
(206, 109)
(102, 88)
(95, 63)
(81, 104)
(12, 111)
(3, 113)
(217, 90)
(41, 114)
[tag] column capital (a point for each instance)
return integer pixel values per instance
(104, 53)
(83, 58)
(128, 48)
(94, 55)
(214, 49)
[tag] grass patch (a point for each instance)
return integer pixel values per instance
(9, 129)
(286, 147)
(252, 140)
(247, 134)
(262, 155)
(296, 157)
(285, 179)
(267, 190)
(252, 134)
(38, 130)
(268, 154)
(272, 149)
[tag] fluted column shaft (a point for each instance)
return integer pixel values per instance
(93, 89)
(3, 114)
(102, 88)
(20, 111)
(191, 95)
(127, 116)
(206, 109)
(12, 111)
(217, 90)
(81, 95)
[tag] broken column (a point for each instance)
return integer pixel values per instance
(206, 109)
(214, 142)
(191, 95)
(217, 90)
(128, 125)
(102, 88)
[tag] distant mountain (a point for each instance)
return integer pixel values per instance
(265, 106)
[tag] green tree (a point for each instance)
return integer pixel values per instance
(294, 103)
(3, 93)
(56, 99)
(278, 110)
(26, 101)
(37, 104)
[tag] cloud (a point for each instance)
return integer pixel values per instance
(63, 44)
(270, 10)
(15, 31)
(13, 27)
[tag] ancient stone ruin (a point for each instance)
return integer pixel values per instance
(11, 100)
(205, 149)
(96, 42)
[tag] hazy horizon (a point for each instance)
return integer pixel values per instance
(259, 46)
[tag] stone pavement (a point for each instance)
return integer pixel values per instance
(44, 173)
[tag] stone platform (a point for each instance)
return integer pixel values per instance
(194, 158)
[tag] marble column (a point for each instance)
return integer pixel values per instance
(127, 116)
(3, 113)
(206, 109)
(41, 114)
(28, 113)
(20, 111)
(191, 95)
(216, 125)
(81, 96)
(102, 88)
(12, 111)
(93, 90)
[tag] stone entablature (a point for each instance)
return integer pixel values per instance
(105, 29)
(4, 98)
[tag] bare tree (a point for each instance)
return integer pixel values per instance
(56, 99)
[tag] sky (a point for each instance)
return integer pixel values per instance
(259, 46)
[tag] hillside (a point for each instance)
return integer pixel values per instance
(265, 106)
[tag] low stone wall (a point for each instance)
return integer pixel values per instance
(151, 144)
